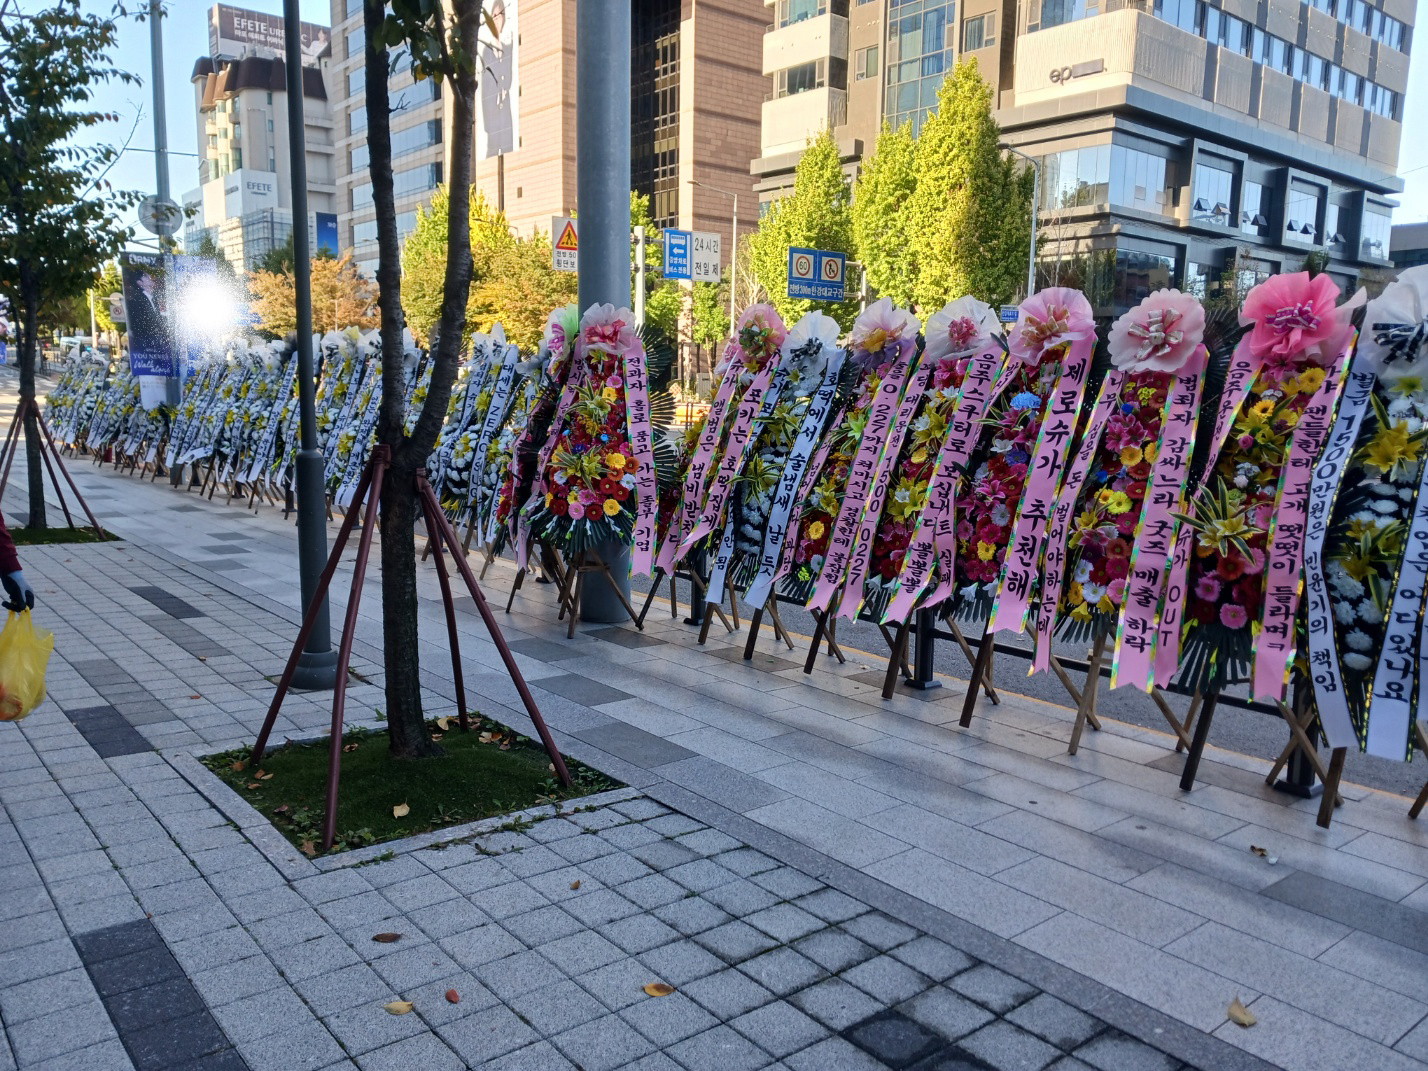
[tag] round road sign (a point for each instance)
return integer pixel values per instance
(832, 270)
(803, 266)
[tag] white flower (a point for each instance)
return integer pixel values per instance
(1344, 613)
(1001, 514)
(1093, 592)
(628, 481)
(1370, 613)
(1406, 493)
(1083, 570)
(1345, 584)
(902, 494)
(1359, 640)
(1385, 507)
(1357, 662)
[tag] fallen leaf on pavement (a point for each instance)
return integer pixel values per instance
(1241, 1015)
(350, 747)
(195, 697)
(254, 784)
(307, 847)
(443, 724)
(203, 658)
(398, 1007)
(575, 884)
(401, 810)
(659, 989)
(386, 938)
(453, 997)
(262, 776)
(240, 765)
(1258, 850)
(437, 736)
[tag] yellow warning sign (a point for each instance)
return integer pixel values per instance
(565, 250)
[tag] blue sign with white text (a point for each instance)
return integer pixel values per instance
(326, 232)
(676, 255)
(815, 274)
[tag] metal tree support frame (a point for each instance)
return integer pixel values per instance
(51, 455)
(369, 488)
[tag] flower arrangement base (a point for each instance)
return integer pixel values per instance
(48, 452)
(573, 588)
(825, 627)
(373, 474)
(715, 608)
(551, 565)
(1086, 702)
(982, 669)
(780, 633)
(1422, 800)
(696, 600)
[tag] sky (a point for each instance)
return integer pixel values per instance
(186, 39)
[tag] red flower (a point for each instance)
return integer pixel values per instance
(1230, 567)
(559, 506)
(607, 486)
(620, 492)
(593, 512)
(1117, 548)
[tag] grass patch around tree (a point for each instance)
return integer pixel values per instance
(39, 537)
(487, 771)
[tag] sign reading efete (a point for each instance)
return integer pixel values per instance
(815, 274)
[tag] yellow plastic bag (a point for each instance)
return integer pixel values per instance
(24, 656)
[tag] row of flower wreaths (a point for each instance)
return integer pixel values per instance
(1224, 500)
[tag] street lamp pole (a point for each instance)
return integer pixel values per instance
(317, 665)
(1035, 202)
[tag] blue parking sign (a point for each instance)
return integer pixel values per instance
(815, 274)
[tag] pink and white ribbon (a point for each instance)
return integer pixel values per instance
(1045, 470)
(641, 431)
(686, 513)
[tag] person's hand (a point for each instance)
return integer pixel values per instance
(21, 595)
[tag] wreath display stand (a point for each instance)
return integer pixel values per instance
(51, 455)
(369, 488)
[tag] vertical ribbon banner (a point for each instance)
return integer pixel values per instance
(692, 496)
(801, 465)
(360, 444)
(851, 600)
(491, 421)
(637, 415)
(1047, 469)
(860, 480)
(1156, 535)
(733, 457)
(1330, 696)
(263, 452)
(1274, 645)
(1054, 567)
(536, 501)
(1404, 655)
(1244, 366)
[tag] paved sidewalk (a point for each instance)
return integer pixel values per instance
(1087, 880)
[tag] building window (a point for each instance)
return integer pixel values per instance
(1210, 192)
(1138, 275)
(1301, 214)
(356, 120)
(367, 231)
(1076, 178)
(1254, 208)
(237, 159)
(356, 81)
(792, 11)
(920, 49)
(1178, 13)
(865, 63)
(213, 141)
(799, 79)
(354, 7)
(979, 32)
(1333, 238)
(356, 41)
(1141, 180)
(1375, 230)
(1197, 280)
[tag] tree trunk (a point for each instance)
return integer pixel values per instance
(406, 729)
(29, 357)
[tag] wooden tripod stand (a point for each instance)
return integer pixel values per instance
(369, 487)
(48, 450)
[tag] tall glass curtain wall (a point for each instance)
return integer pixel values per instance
(654, 107)
(920, 52)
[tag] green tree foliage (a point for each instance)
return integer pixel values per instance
(520, 289)
(663, 305)
(207, 249)
(880, 219)
(59, 215)
(968, 220)
(424, 259)
(711, 313)
(106, 282)
(816, 215)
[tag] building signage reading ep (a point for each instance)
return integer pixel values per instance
(693, 255)
(815, 274)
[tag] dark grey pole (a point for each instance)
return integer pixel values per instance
(317, 665)
(602, 136)
(172, 384)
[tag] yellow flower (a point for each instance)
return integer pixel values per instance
(815, 530)
(1150, 453)
(1131, 455)
(549, 498)
(985, 551)
(1119, 503)
(615, 460)
(1391, 447)
(1263, 408)
(1310, 380)
(1077, 596)
(573, 498)
(919, 456)
(1290, 418)
(609, 394)
(1081, 612)
(611, 507)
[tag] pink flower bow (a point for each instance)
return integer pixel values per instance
(1049, 318)
(1159, 334)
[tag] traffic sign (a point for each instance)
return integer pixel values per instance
(160, 217)
(676, 254)
(565, 243)
(704, 258)
(816, 274)
(1009, 314)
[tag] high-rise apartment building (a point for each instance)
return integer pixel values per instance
(696, 87)
(1177, 140)
(244, 199)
